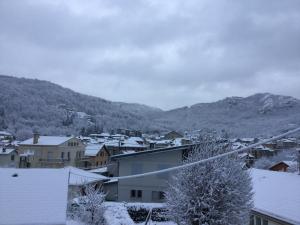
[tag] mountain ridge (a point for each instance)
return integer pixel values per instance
(32, 104)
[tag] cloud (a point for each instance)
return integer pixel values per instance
(162, 53)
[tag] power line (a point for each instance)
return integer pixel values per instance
(209, 159)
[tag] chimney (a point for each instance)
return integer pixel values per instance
(36, 138)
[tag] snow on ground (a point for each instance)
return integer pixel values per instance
(116, 213)
(72, 222)
(277, 194)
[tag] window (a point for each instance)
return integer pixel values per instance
(62, 155)
(12, 157)
(132, 193)
(68, 155)
(258, 221)
(139, 193)
(136, 193)
(265, 222)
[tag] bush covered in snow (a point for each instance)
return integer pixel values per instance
(139, 214)
(89, 208)
(218, 192)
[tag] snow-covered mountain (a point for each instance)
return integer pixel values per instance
(30, 104)
(27, 104)
(259, 114)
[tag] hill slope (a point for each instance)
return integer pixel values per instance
(259, 114)
(28, 104)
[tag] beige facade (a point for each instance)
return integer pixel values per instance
(51, 154)
(95, 158)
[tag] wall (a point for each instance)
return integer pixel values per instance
(145, 163)
(5, 160)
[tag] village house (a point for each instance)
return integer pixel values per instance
(50, 152)
(8, 157)
(95, 155)
(272, 206)
(287, 143)
(172, 135)
(261, 150)
(116, 147)
(285, 166)
(145, 189)
(6, 138)
(129, 133)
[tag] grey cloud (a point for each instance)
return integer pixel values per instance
(172, 53)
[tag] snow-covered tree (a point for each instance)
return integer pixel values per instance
(218, 192)
(90, 206)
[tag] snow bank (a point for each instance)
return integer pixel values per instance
(116, 214)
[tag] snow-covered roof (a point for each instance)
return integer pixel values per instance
(135, 139)
(128, 151)
(247, 139)
(99, 170)
(178, 141)
(81, 177)
(125, 143)
(263, 148)
(246, 154)
(7, 151)
(47, 140)
(277, 194)
(93, 149)
(33, 196)
(5, 133)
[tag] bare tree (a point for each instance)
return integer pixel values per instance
(90, 205)
(215, 193)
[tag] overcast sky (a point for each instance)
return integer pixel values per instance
(164, 53)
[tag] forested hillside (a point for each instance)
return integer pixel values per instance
(27, 105)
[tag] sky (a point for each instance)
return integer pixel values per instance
(163, 53)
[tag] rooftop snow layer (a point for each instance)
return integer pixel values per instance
(277, 194)
(82, 177)
(93, 149)
(33, 196)
(47, 140)
(6, 151)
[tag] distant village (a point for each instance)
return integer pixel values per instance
(102, 158)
